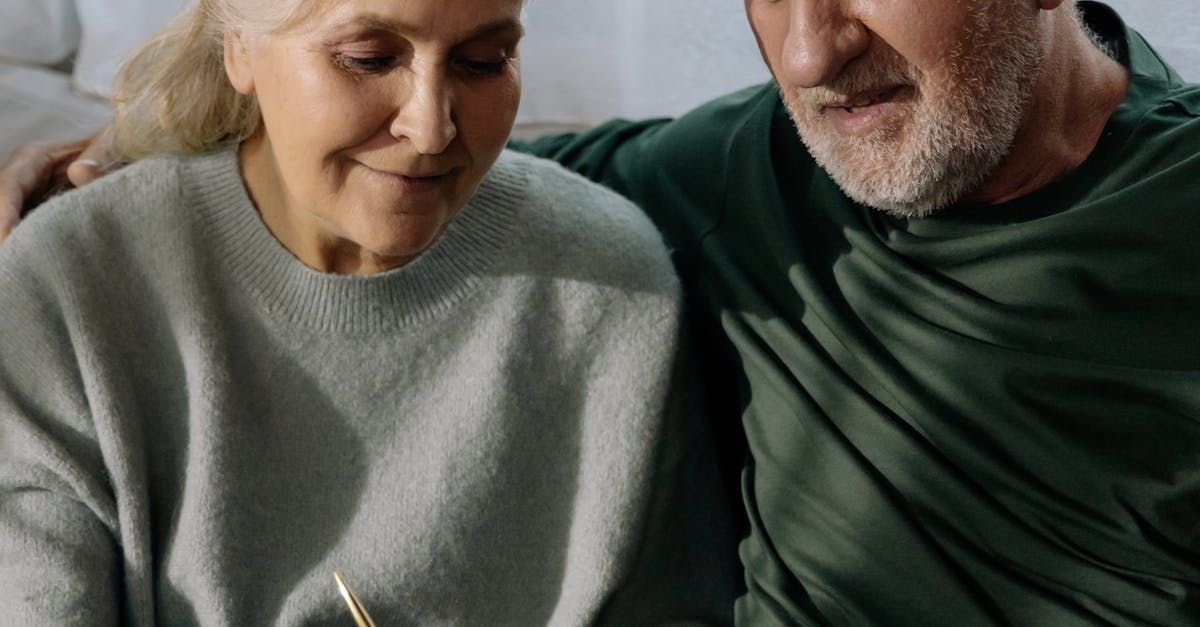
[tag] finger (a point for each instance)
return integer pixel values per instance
(8, 222)
(57, 180)
(96, 159)
(41, 172)
(11, 198)
(83, 171)
(21, 176)
(32, 171)
(11, 202)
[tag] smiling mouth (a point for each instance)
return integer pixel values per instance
(866, 99)
(413, 175)
(413, 181)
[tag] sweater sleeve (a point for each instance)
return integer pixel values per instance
(58, 557)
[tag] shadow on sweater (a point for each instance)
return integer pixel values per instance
(289, 474)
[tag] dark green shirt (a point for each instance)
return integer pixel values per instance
(991, 416)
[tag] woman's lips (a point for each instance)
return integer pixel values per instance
(864, 112)
(412, 182)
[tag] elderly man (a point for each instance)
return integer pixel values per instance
(956, 312)
(959, 318)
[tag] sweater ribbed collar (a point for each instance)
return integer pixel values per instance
(291, 292)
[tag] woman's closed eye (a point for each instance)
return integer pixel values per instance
(474, 68)
(360, 63)
(366, 63)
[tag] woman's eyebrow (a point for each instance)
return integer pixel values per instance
(372, 22)
(505, 26)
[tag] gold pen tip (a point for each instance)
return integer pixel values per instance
(356, 609)
(343, 589)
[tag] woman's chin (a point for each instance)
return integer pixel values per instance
(391, 253)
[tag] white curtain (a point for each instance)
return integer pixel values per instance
(586, 61)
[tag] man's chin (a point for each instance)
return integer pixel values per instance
(902, 192)
(902, 176)
(873, 171)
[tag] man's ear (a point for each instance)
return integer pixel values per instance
(237, 63)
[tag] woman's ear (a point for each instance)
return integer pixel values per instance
(237, 63)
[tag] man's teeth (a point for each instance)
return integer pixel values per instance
(862, 104)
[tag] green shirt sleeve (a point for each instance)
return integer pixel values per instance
(625, 156)
(675, 170)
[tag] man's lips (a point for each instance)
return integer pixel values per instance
(868, 111)
(868, 98)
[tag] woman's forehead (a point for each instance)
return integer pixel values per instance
(412, 17)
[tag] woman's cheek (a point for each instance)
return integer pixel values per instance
(486, 114)
(336, 118)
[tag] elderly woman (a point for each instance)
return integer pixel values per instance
(330, 324)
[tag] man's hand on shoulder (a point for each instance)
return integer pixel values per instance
(36, 171)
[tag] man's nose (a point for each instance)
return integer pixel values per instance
(426, 117)
(823, 36)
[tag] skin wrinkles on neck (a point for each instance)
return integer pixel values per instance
(1078, 90)
(327, 254)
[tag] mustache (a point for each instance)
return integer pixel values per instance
(861, 75)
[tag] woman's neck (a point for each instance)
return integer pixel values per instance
(304, 234)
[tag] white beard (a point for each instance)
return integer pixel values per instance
(959, 128)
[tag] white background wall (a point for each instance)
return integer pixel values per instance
(1171, 26)
(588, 60)
(585, 61)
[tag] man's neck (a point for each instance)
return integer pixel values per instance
(1076, 93)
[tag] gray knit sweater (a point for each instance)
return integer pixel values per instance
(195, 428)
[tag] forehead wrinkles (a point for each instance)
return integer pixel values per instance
(430, 23)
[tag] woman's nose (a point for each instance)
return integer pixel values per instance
(426, 117)
(823, 36)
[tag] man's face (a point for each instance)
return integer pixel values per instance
(909, 105)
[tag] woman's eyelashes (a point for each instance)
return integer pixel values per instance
(481, 69)
(362, 63)
(366, 64)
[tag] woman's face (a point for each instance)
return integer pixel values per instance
(381, 117)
